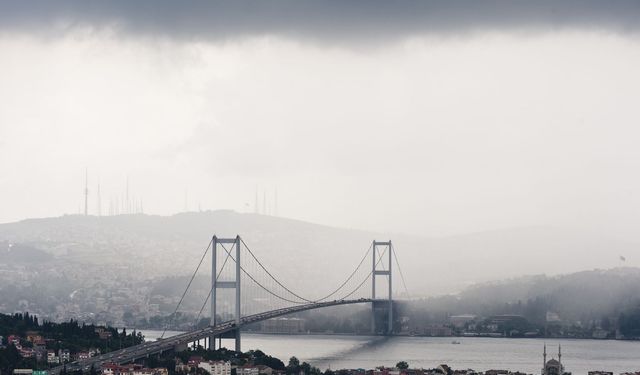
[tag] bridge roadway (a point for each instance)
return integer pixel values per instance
(146, 349)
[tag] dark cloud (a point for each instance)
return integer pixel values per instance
(322, 20)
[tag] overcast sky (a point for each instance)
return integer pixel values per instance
(422, 117)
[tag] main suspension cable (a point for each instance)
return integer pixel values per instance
(211, 290)
(350, 276)
(257, 283)
(270, 275)
(400, 271)
(173, 317)
(365, 280)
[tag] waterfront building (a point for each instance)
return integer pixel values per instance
(438, 330)
(459, 321)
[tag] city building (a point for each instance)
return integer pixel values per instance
(216, 367)
(194, 362)
(438, 330)
(131, 369)
(247, 370)
(52, 358)
(459, 321)
(103, 333)
(33, 336)
(65, 355)
(81, 356)
(13, 340)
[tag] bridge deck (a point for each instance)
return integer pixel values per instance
(146, 349)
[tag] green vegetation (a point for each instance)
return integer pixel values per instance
(294, 367)
(629, 323)
(70, 335)
(10, 359)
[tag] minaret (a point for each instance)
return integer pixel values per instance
(560, 359)
(544, 359)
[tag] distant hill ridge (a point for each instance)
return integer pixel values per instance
(169, 245)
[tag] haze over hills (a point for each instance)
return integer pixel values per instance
(305, 254)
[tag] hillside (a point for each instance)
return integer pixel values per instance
(580, 302)
(159, 246)
(130, 269)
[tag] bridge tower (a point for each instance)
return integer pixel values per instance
(378, 270)
(216, 284)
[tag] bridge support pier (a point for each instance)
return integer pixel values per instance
(238, 346)
(378, 270)
(219, 284)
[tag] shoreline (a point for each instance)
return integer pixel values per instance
(311, 334)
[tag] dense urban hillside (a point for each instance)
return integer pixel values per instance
(127, 270)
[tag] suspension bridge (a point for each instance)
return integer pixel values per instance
(243, 292)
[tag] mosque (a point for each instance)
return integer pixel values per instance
(553, 366)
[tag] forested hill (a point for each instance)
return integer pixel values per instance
(584, 298)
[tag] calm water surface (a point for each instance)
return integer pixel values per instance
(327, 351)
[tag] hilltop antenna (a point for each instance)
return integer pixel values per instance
(86, 191)
(264, 201)
(256, 205)
(99, 200)
(127, 203)
(186, 200)
(275, 202)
